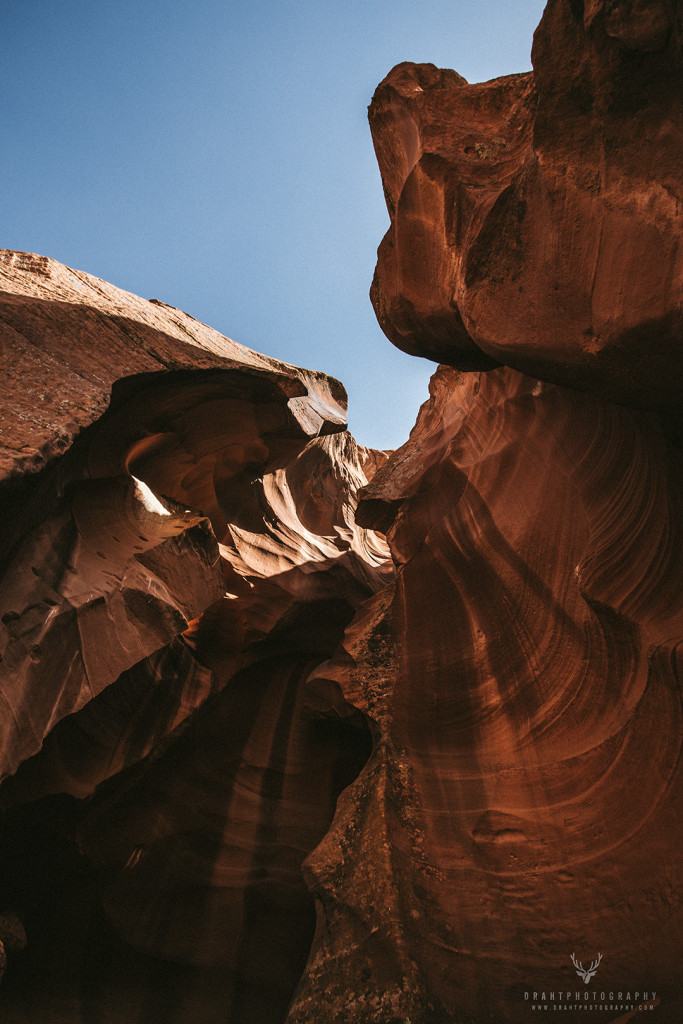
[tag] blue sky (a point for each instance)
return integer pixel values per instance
(216, 155)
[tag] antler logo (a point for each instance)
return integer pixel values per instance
(586, 974)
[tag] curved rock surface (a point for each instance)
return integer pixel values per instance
(171, 579)
(98, 571)
(522, 674)
(535, 219)
(67, 337)
(267, 768)
(522, 681)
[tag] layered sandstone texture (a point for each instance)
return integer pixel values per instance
(262, 768)
(522, 672)
(179, 550)
(522, 676)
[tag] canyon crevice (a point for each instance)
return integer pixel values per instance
(298, 732)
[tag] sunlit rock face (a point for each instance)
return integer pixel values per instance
(99, 571)
(174, 568)
(535, 219)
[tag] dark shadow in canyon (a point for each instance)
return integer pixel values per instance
(134, 909)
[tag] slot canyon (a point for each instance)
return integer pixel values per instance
(294, 731)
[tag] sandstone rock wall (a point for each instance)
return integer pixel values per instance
(262, 764)
(522, 673)
(536, 219)
(170, 579)
(522, 677)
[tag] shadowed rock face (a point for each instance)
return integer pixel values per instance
(522, 677)
(170, 580)
(535, 219)
(521, 674)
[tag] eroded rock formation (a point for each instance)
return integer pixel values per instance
(522, 676)
(170, 580)
(536, 219)
(226, 698)
(522, 673)
(90, 552)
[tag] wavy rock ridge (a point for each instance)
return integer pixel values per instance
(522, 673)
(522, 676)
